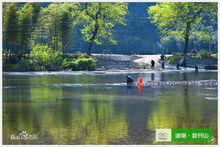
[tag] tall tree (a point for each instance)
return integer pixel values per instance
(182, 20)
(98, 21)
(55, 25)
(68, 20)
(10, 26)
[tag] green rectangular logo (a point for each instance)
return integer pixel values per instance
(191, 135)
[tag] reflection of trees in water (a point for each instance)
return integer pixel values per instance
(186, 102)
(90, 119)
(183, 107)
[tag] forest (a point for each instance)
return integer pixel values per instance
(62, 36)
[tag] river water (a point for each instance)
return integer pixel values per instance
(91, 108)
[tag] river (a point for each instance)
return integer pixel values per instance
(92, 108)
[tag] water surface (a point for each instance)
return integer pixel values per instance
(91, 109)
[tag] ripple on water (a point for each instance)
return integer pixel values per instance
(211, 98)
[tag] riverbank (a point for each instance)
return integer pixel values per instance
(126, 62)
(109, 62)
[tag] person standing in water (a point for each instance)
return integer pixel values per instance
(129, 80)
(196, 68)
(178, 65)
(152, 64)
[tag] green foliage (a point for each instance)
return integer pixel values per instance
(99, 19)
(10, 25)
(184, 21)
(8, 66)
(28, 16)
(214, 56)
(85, 64)
(55, 25)
(46, 57)
(6, 56)
(79, 61)
(203, 54)
(174, 59)
(24, 64)
(18, 24)
(68, 64)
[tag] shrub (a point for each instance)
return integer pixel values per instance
(78, 61)
(203, 54)
(46, 57)
(173, 59)
(214, 56)
(9, 57)
(68, 64)
(82, 63)
(8, 67)
(85, 64)
(24, 65)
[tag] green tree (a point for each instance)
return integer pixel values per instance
(55, 25)
(10, 26)
(98, 21)
(68, 20)
(182, 20)
(25, 25)
(45, 56)
(28, 16)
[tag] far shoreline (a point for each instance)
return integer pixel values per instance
(101, 72)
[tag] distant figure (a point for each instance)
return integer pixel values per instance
(129, 80)
(163, 65)
(162, 57)
(139, 84)
(178, 65)
(196, 68)
(140, 80)
(152, 64)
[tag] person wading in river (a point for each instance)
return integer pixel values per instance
(196, 68)
(129, 80)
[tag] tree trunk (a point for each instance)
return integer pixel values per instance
(186, 45)
(90, 48)
(95, 32)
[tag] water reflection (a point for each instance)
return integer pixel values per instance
(102, 114)
(152, 76)
(183, 108)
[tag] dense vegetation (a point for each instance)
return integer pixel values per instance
(37, 38)
(42, 36)
(202, 54)
(185, 21)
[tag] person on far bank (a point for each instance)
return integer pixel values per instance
(152, 64)
(196, 68)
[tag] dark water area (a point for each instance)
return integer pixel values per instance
(92, 109)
